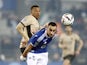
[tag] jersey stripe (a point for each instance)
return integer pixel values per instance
(22, 24)
(29, 31)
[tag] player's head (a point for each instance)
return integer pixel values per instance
(51, 29)
(35, 11)
(68, 28)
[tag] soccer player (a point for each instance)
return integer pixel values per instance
(67, 43)
(36, 50)
(28, 26)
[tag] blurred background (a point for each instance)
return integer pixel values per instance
(11, 13)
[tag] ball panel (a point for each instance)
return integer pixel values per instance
(67, 19)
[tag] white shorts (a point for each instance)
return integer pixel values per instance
(37, 58)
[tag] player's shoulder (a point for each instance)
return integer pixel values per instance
(25, 18)
(29, 17)
(40, 32)
(75, 34)
(63, 34)
(32, 18)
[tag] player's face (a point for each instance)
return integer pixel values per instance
(36, 12)
(51, 30)
(68, 29)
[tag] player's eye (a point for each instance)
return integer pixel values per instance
(52, 30)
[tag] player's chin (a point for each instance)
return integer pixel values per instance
(51, 35)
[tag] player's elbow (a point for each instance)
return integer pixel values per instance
(18, 27)
(81, 43)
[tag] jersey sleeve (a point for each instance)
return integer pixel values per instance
(77, 37)
(26, 21)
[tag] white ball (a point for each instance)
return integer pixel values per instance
(67, 19)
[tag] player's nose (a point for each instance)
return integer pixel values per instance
(52, 33)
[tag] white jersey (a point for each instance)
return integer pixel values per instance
(69, 41)
(31, 25)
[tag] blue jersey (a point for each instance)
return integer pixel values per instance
(40, 41)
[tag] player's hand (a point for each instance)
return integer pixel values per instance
(46, 25)
(22, 58)
(24, 42)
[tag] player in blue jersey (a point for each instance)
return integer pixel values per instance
(36, 50)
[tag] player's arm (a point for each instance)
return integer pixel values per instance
(80, 45)
(28, 49)
(61, 43)
(20, 28)
(30, 45)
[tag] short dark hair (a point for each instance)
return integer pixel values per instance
(34, 6)
(52, 24)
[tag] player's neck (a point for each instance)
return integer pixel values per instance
(34, 17)
(69, 33)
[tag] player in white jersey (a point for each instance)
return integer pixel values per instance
(28, 26)
(67, 43)
(36, 50)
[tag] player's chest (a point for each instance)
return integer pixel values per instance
(69, 39)
(43, 43)
(34, 23)
(44, 40)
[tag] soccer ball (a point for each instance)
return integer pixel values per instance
(67, 19)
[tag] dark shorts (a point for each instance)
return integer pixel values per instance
(22, 49)
(69, 57)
